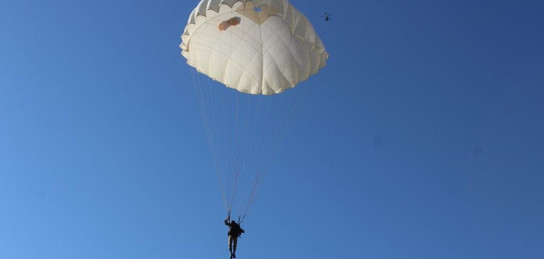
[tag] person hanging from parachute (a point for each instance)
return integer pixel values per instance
(327, 16)
(257, 48)
(234, 232)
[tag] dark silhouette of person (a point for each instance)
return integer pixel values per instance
(327, 16)
(234, 232)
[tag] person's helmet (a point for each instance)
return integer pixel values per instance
(234, 222)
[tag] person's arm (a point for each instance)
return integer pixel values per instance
(227, 221)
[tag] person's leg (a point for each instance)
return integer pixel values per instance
(235, 242)
(230, 245)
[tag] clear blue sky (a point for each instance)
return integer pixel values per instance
(422, 138)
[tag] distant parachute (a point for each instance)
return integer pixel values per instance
(259, 48)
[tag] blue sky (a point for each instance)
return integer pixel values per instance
(422, 138)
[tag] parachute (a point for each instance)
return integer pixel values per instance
(260, 48)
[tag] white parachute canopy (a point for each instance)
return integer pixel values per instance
(259, 47)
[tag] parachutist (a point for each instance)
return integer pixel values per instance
(234, 232)
(327, 16)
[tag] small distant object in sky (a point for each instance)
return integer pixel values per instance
(377, 141)
(327, 16)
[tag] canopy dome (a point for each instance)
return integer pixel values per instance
(253, 46)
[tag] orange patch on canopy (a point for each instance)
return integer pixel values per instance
(228, 23)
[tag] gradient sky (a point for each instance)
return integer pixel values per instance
(422, 138)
